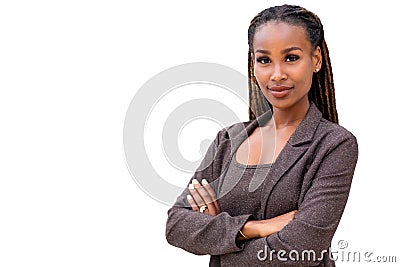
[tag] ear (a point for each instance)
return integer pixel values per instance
(317, 58)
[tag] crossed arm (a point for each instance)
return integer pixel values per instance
(202, 195)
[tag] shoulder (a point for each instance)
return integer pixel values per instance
(332, 135)
(241, 130)
(334, 130)
(234, 130)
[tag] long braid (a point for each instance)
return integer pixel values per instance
(322, 91)
(258, 103)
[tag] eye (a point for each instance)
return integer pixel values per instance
(263, 60)
(291, 58)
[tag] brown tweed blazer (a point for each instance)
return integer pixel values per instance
(313, 174)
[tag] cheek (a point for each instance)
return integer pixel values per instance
(303, 76)
(261, 75)
(308, 79)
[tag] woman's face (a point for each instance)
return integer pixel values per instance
(284, 62)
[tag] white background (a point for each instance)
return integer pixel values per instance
(68, 71)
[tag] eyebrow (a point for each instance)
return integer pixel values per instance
(284, 51)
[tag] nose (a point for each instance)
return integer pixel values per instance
(278, 73)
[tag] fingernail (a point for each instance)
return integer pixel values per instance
(189, 197)
(194, 181)
(204, 182)
(191, 186)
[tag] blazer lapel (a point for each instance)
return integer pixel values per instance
(296, 146)
(288, 156)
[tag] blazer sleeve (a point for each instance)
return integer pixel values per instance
(311, 231)
(200, 233)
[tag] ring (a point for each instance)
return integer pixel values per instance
(203, 208)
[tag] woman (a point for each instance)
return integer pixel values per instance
(276, 199)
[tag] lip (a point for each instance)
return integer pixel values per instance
(280, 91)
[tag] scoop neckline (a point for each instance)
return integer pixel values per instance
(253, 166)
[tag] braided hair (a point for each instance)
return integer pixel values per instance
(322, 91)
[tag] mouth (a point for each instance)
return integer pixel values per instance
(280, 91)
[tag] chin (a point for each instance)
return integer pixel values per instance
(280, 103)
(288, 102)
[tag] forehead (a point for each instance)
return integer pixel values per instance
(280, 35)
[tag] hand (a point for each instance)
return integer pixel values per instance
(274, 225)
(264, 228)
(203, 195)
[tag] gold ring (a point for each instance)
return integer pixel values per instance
(203, 208)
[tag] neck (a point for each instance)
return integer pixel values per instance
(290, 116)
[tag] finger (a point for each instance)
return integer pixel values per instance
(209, 190)
(195, 194)
(211, 193)
(192, 203)
(202, 192)
(212, 209)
